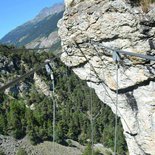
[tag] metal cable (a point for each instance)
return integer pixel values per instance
(126, 52)
(116, 117)
(27, 49)
(106, 66)
(50, 72)
(91, 119)
(96, 50)
(21, 78)
(104, 86)
(54, 116)
(13, 82)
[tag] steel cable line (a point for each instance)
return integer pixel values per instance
(104, 86)
(52, 95)
(91, 118)
(15, 81)
(120, 61)
(108, 48)
(113, 102)
(142, 56)
(26, 49)
(106, 66)
(123, 72)
(50, 72)
(116, 59)
(54, 115)
(116, 117)
(122, 52)
(103, 77)
(21, 78)
(120, 64)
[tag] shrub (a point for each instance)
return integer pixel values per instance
(88, 151)
(2, 153)
(21, 151)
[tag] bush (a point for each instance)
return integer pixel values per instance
(88, 151)
(69, 142)
(21, 151)
(108, 153)
(2, 153)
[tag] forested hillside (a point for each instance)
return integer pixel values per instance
(73, 117)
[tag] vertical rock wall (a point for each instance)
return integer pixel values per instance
(86, 25)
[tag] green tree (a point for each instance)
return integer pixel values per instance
(2, 152)
(16, 119)
(72, 106)
(88, 151)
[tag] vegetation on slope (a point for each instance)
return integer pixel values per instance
(72, 109)
(21, 151)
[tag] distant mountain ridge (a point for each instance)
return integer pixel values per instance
(48, 11)
(38, 32)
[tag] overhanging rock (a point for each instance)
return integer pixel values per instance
(118, 25)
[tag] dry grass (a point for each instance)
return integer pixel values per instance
(145, 4)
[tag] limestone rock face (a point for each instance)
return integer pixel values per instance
(41, 85)
(85, 27)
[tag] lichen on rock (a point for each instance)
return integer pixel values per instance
(86, 26)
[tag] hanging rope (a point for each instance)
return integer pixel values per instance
(92, 125)
(108, 94)
(91, 116)
(116, 58)
(116, 118)
(50, 72)
(54, 116)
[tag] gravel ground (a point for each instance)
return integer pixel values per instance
(10, 146)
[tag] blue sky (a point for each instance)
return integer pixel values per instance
(16, 12)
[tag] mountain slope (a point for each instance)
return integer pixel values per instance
(27, 110)
(36, 32)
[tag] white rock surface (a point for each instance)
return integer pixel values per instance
(41, 85)
(119, 25)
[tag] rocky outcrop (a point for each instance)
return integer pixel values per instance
(85, 27)
(41, 85)
(6, 65)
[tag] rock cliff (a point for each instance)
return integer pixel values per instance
(85, 26)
